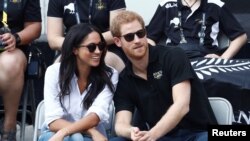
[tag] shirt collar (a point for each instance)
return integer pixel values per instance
(180, 5)
(153, 55)
(202, 6)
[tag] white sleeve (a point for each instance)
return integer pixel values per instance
(53, 109)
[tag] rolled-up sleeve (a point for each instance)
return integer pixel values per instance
(101, 104)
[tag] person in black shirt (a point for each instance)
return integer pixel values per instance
(195, 26)
(161, 84)
(23, 18)
(63, 14)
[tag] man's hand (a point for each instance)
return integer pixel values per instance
(212, 56)
(146, 136)
(135, 133)
(9, 41)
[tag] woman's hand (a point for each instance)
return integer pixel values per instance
(59, 135)
(96, 135)
(99, 137)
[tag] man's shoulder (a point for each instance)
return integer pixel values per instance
(125, 73)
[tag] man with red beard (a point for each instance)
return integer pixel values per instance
(161, 84)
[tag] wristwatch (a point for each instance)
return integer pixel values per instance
(18, 39)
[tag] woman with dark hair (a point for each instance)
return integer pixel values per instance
(79, 89)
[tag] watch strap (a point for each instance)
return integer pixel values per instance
(18, 39)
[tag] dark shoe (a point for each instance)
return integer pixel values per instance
(8, 136)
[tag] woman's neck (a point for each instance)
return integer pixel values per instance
(83, 71)
(82, 78)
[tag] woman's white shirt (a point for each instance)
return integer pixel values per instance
(73, 102)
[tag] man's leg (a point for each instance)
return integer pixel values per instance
(186, 135)
(13, 65)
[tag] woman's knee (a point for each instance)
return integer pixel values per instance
(76, 137)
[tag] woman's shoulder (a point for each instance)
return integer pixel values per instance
(114, 71)
(54, 67)
(112, 68)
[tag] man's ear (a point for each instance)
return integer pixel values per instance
(117, 41)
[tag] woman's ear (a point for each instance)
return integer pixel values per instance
(75, 51)
(117, 41)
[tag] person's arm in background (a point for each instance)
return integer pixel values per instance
(235, 46)
(234, 31)
(151, 42)
(30, 32)
(55, 31)
(107, 35)
(32, 23)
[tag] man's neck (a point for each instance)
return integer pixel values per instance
(140, 66)
(139, 71)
